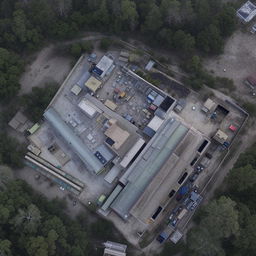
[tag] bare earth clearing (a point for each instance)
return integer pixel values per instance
(238, 61)
(47, 67)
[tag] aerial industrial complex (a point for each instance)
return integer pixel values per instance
(140, 155)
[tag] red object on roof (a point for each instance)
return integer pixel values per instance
(232, 128)
(152, 107)
(116, 91)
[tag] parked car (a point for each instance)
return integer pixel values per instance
(193, 177)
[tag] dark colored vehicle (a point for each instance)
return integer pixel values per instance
(165, 234)
(193, 177)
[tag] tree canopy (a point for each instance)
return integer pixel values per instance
(30, 225)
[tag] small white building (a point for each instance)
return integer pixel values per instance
(247, 12)
(114, 249)
(104, 66)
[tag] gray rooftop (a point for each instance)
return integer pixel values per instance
(147, 166)
(88, 158)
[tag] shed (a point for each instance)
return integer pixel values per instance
(123, 59)
(150, 65)
(76, 89)
(93, 84)
(103, 66)
(247, 12)
(88, 108)
(220, 136)
(176, 236)
(124, 54)
(158, 100)
(208, 105)
(19, 122)
(34, 128)
(155, 123)
(110, 104)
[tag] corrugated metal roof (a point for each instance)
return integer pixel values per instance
(112, 197)
(164, 143)
(73, 141)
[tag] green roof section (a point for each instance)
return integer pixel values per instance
(34, 128)
(152, 159)
(112, 197)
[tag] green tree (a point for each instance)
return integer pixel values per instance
(227, 21)
(184, 42)
(51, 239)
(28, 219)
(194, 65)
(36, 101)
(153, 21)
(10, 70)
(105, 43)
(104, 15)
(37, 246)
(246, 240)
(76, 50)
(221, 218)
(11, 153)
(129, 14)
(170, 10)
(5, 248)
(6, 175)
(19, 25)
(201, 243)
(4, 214)
(63, 7)
(210, 40)
(242, 178)
(87, 46)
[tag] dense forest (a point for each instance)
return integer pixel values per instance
(185, 26)
(30, 225)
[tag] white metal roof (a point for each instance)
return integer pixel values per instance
(87, 107)
(104, 64)
(155, 123)
(132, 152)
(247, 11)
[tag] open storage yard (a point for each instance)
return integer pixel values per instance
(141, 157)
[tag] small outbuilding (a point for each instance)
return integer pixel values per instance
(93, 84)
(209, 105)
(247, 12)
(220, 136)
(103, 67)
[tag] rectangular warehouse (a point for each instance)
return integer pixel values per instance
(88, 158)
(144, 169)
